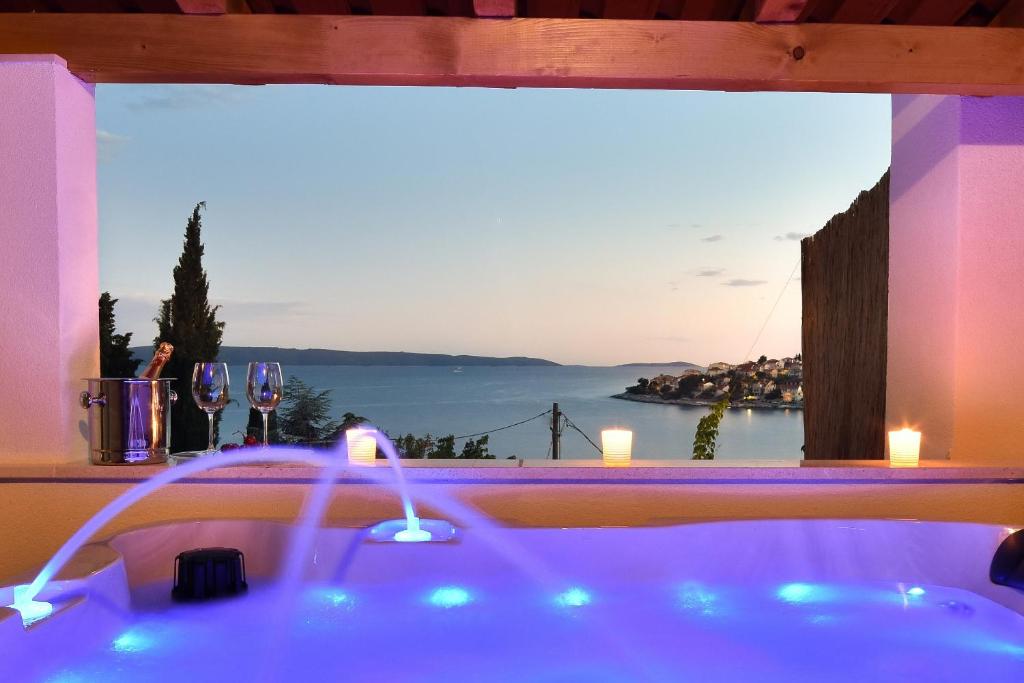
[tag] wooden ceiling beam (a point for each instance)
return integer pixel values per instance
(778, 11)
(577, 53)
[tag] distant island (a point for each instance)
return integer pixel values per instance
(239, 355)
(673, 364)
(767, 383)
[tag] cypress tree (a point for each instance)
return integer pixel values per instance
(189, 322)
(116, 359)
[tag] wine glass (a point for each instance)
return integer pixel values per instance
(210, 390)
(264, 387)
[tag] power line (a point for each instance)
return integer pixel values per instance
(514, 424)
(770, 314)
(571, 424)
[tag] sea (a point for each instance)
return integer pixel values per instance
(470, 400)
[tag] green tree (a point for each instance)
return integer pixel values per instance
(689, 385)
(444, 447)
(116, 359)
(641, 387)
(254, 427)
(476, 450)
(187, 321)
(705, 441)
(736, 387)
(762, 359)
(305, 415)
(411, 446)
(349, 421)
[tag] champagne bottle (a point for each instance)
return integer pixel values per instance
(160, 358)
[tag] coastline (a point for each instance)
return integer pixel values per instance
(703, 402)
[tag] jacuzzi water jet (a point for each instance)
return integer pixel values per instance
(24, 599)
(31, 610)
(496, 540)
(412, 533)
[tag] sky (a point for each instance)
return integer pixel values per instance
(582, 226)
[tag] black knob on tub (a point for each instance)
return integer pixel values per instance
(208, 573)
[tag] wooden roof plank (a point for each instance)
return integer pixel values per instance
(90, 5)
(579, 53)
(778, 11)
(700, 10)
(24, 6)
(261, 6)
(630, 9)
(863, 11)
(321, 6)
(158, 5)
(669, 9)
(203, 6)
(560, 9)
(937, 12)
(399, 8)
(183, 6)
(494, 9)
(1011, 16)
(450, 8)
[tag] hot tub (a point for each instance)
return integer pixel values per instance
(767, 601)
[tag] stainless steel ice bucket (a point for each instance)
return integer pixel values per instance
(129, 420)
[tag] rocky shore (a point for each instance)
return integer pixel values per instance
(697, 402)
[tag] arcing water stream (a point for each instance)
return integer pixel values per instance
(333, 463)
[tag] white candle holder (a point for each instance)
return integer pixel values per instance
(616, 447)
(362, 446)
(904, 448)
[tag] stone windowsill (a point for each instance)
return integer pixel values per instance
(555, 472)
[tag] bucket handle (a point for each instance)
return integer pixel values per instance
(85, 399)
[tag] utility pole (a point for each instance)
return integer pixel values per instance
(556, 431)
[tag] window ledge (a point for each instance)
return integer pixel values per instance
(556, 472)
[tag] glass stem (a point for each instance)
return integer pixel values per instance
(209, 416)
(266, 418)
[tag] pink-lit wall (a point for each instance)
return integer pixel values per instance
(990, 317)
(48, 257)
(956, 275)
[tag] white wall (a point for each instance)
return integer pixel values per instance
(48, 258)
(956, 275)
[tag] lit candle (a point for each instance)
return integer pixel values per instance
(616, 447)
(362, 446)
(904, 448)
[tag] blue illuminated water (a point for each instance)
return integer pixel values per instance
(487, 630)
(436, 400)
